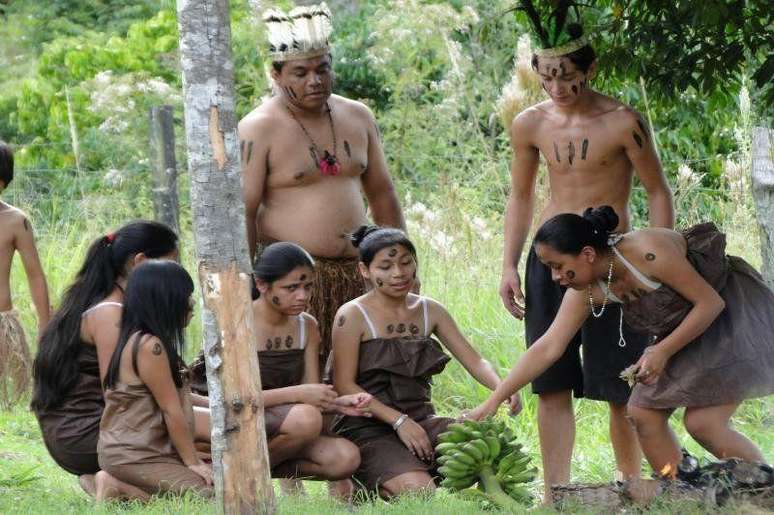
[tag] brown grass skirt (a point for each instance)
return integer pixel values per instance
(15, 362)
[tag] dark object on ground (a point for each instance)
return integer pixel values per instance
(711, 485)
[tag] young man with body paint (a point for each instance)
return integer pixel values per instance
(592, 145)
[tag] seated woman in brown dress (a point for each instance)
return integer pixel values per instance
(711, 316)
(76, 345)
(383, 345)
(289, 358)
(147, 431)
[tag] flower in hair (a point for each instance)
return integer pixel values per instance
(110, 237)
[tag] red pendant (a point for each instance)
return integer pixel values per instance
(329, 165)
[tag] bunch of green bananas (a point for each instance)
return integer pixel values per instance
(486, 453)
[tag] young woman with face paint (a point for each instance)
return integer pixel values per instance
(711, 314)
(289, 358)
(384, 345)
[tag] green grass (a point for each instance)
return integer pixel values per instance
(461, 271)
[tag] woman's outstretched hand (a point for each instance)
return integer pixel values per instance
(482, 411)
(651, 365)
(354, 405)
(514, 404)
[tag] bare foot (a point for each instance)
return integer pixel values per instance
(108, 487)
(87, 482)
(341, 490)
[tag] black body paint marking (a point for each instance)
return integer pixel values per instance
(401, 328)
(571, 149)
(556, 151)
(299, 176)
(379, 282)
(584, 148)
(561, 67)
(242, 149)
(571, 274)
(156, 349)
(290, 93)
(288, 342)
(277, 342)
(553, 72)
(574, 89)
(275, 300)
(342, 320)
(637, 138)
(650, 256)
(347, 149)
(269, 344)
(249, 152)
(643, 128)
(26, 225)
(390, 329)
(303, 277)
(414, 329)
(392, 252)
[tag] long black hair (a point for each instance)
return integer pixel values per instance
(370, 239)
(279, 259)
(156, 302)
(568, 233)
(55, 369)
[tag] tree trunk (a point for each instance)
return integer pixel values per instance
(763, 193)
(239, 452)
(162, 142)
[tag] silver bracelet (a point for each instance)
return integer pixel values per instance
(401, 419)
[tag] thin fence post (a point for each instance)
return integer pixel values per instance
(164, 177)
(763, 193)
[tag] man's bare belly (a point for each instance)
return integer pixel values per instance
(577, 201)
(317, 216)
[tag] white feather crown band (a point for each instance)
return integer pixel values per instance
(299, 34)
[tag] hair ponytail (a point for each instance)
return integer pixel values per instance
(55, 369)
(568, 233)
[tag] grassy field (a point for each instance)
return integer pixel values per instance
(459, 266)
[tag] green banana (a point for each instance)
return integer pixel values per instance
(444, 448)
(464, 458)
(473, 451)
(457, 484)
(483, 447)
(443, 459)
(454, 474)
(452, 437)
(455, 465)
(494, 446)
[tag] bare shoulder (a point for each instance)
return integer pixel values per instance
(263, 116)
(103, 313)
(351, 108)
(349, 315)
(527, 124)
(653, 246)
(13, 219)
(150, 347)
(620, 114)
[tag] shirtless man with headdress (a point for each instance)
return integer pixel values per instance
(308, 157)
(591, 145)
(16, 235)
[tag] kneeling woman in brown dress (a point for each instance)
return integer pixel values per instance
(711, 315)
(383, 345)
(289, 358)
(147, 430)
(76, 346)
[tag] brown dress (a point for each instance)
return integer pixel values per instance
(135, 446)
(398, 372)
(70, 431)
(733, 359)
(279, 369)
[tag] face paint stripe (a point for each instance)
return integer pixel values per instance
(571, 150)
(637, 138)
(584, 148)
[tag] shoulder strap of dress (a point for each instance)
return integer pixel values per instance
(135, 349)
(606, 291)
(100, 305)
(302, 330)
(650, 283)
(425, 316)
(367, 319)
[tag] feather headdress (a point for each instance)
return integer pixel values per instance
(553, 35)
(299, 34)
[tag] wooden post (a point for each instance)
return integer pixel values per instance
(763, 193)
(162, 142)
(239, 452)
